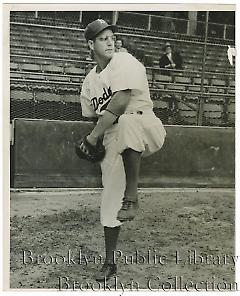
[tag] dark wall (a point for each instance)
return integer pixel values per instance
(44, 156)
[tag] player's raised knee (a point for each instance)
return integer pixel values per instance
(124, 121)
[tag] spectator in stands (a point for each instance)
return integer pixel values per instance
(119, 46)
(170, 60)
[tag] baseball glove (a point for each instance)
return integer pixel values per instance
(89, 152)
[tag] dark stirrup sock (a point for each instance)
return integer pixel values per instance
(131, 198)
(111, 236)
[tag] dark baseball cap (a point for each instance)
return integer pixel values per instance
(96, 27)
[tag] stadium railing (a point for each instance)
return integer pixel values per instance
(51, 77)
(136, 21)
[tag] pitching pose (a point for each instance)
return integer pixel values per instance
(116, 92)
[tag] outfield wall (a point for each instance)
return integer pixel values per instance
(42, 155)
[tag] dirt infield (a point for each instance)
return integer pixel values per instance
(179, 238)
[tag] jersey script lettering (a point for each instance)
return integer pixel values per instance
(102, 101)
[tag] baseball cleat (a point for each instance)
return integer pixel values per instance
(128, 210)
(108, 270)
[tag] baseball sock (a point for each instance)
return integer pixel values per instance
(131, 161)
(111, 236)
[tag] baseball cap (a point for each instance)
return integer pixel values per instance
(97, 26)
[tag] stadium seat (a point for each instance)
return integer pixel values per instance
(197, 80)
(213, 113)
(34, 76)
(16, 43)
(162, 78)
(30, 67)
(175, 87)
(180, 79)
(213, 121)
(34, 52)
(194, 88)
(217, 82)
(188, 116)
(74, 71)
(212, 89)
(64, 43)
(49, 46)
(52, 69)
(21, 95)
(14, 66)
(231, 91)
(44, 41)
(187, 113)
(15, 75)
(158, 86)
(76, 79)
(189, 120)
(31, 44)
(232, 83)
(221, 90)
(57, 78)
(35, 42)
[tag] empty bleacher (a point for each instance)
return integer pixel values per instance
(48, 64)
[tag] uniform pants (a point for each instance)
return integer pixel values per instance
(141, 132)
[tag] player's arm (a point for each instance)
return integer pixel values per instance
(116, 107)
(91, 119)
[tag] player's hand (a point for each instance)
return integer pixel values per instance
(92, 140)
(88, 151)
(173, 65)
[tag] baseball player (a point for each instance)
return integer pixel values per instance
(116, 92)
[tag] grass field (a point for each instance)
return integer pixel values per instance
(184, 236)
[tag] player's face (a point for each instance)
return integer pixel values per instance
(103, 46)
(118, 44)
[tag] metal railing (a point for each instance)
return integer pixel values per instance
(156, 23)
(169, 99)
(136, 20)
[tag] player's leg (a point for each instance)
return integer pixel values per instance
(138, 135)
(109, 268)
(113, 178)
(131, 160)
(111, 237)
(130, 144)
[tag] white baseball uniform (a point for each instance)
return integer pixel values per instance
(138, 128)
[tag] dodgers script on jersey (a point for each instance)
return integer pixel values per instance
(123, 72)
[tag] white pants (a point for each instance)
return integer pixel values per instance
(143, 133)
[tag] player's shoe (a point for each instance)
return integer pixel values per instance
(128, 210)
(107, 271)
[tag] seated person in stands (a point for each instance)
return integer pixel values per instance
(119, 46)
(170, 60)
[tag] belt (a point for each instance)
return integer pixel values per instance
(140, 112)
(136, 112)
